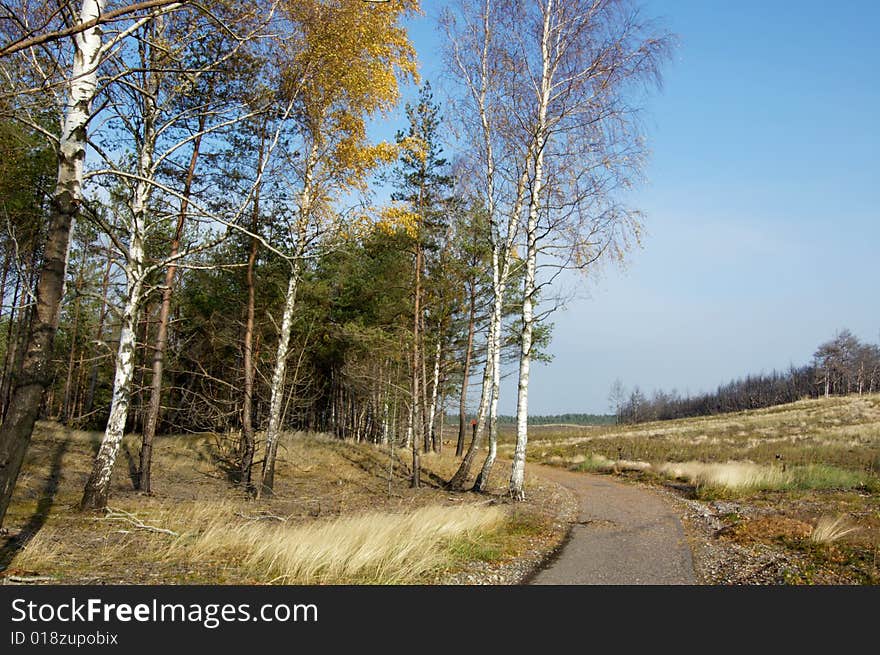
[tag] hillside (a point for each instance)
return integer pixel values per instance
(785, 494)
(339, 515)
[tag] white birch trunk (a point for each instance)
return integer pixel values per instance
(458, 480)
(432, 408)
(517, 473)
(82, 87)
(99, 483)
(486, 386)
(98, 486)
(495, 385)
(501, 254)
(385, 425)
(273, 431)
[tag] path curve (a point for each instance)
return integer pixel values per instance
(624, 535)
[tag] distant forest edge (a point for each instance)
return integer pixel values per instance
(570, 419)
(842, 366)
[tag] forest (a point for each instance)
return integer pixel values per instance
(841, 366)
(200, 233)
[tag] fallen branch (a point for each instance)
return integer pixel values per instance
(127, 517)
(29, 579)
(261, 517)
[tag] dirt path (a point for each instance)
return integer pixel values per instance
(624, 535)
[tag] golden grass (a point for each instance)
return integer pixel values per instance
(602, 464)
(830, 529)
(729, 475)
(379, 548)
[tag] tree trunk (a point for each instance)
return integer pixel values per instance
(462, 404)
(97, 487)
(155, 402)
(517, 472)
(426, 434)
(501, 252)
(267, 479)
(438, 437)
(501, 271)
(12, 339)
(248, 437)
(67, 410)
(459, 479)
(36, 374)
(135, 420)
(435, 390)
(486, 470)
(414, 411)
(99, 337)
(267, 482)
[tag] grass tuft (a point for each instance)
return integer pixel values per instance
(830, 529)
(733, 476)
(747, 476)
(374, 548)
(41, 553)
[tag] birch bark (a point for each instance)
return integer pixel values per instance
(276, 399)
(97, 487)
(462, 402)
(36, 373)
(273, 432)
(517, 472)
(435, 387)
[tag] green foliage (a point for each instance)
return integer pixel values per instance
(825, 476)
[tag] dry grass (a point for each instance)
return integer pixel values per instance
(41, 552)
(380, 548)
(734, 476)
(368, 548)
(830, 529)
(338, 515)
(840, 432)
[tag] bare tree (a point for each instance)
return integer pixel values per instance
(547, 86)
(584, 61)
(617, 398)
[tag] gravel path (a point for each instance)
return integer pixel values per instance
(624, 535)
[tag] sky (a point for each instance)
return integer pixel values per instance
(762, 206)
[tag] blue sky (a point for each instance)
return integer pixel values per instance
(762, 203)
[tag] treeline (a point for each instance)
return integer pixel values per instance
(192, 239)
(841, 366)
(571, 419)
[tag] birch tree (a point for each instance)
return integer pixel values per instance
(544, 97)
(474, 51)
(78, 92)
(583, 63)
(354, 56)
